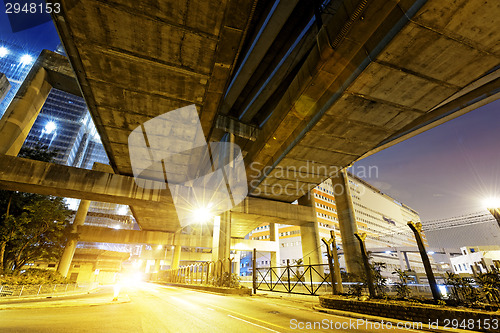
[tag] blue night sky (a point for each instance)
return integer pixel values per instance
(441, 173)
(43, 36)
(446, 171)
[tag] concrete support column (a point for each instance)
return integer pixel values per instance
(309, 234)
(176, 257)
(22, 112)
(222, 236)
(157, 266)
(236, 263)
(69, 249)
(347, 223)
(401, 260)
(274, 237)
(408, 266)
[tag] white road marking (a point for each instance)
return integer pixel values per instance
(249, 322)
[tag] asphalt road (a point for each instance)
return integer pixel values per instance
(154, 308)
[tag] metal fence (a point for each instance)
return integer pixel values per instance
(313, 280)
(216, 273)
(296, 279)
(15, 291)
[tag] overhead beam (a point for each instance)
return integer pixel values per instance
(260, 45)
(275, 211)
(20, 174)
(123, 236)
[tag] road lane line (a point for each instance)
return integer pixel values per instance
(249, 322)
(248, 317)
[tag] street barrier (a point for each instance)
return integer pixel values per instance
(16, 291)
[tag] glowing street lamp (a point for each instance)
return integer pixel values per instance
(493, 205)
(203, 214)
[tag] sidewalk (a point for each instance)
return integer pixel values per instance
(92, 298)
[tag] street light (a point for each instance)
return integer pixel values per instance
(203, 214)
(493, 205)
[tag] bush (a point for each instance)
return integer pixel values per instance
(402, 289)
(33, 276)
(462, 289)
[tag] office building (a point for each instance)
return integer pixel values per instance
(15, 63)
(4, 86)
(381, 217)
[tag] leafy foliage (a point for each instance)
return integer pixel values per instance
(379, 281)
(33, 276)
(32, 226)
(490, 286)
(402, 289)
(462, 289)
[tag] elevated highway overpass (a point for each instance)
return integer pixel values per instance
(305, 91)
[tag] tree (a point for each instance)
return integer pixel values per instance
(32, 226)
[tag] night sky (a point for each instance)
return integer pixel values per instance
(441, 173)
(446, 171)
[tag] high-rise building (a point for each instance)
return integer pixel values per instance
(15, 63)
(381, 217)
(64, 125)
(4, 86)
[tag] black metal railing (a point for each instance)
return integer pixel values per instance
(215, 273)
(296, 279)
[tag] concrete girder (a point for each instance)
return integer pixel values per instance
(122, 236)
(183, 53)
(361, 96)
(20, 174)
(261, 46)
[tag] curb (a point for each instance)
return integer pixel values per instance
(356, 315)
(41, 297)
(61, 304)
(209, 289)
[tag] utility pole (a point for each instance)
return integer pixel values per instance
(333, 263)
(417, 229)
(369, 278)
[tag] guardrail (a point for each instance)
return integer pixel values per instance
(16, 291)
(215, 273)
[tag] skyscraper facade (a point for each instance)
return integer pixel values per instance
(381, 217)
(15, 62)
(64, 125)
(4, 86)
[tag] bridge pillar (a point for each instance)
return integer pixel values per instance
(69, 249)
(176, 257)
(309, 235)
(222, 236)
(22, 112)
(274, 237)
(401, 260)
(236, 263)
(347, 223)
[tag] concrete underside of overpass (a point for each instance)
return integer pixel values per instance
(378, 71)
